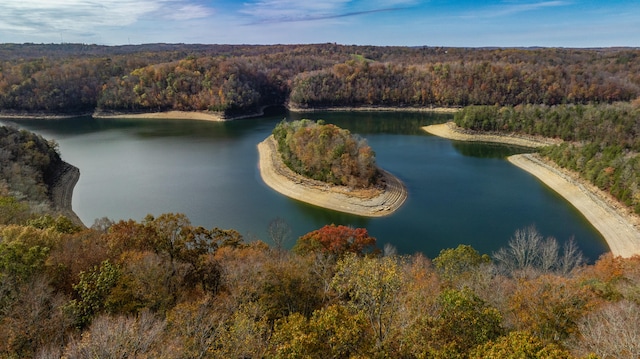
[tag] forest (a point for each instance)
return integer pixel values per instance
(72, 79)
(163, 288)
(326, 153)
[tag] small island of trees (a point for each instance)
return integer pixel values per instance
(324, 165)
(327, 153)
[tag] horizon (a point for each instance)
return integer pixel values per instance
(405, 23)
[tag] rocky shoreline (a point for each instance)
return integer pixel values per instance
(367, 203)
(617, 224)
(61, 191)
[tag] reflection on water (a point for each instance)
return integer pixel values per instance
(459, 193)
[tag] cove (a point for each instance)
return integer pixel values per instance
(459, 193)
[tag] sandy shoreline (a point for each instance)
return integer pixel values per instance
(369, 204)
(451, 131)
(168, 115)
(616, 223)
(619, 228)
(374, 109)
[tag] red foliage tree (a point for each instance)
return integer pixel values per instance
(337, 240)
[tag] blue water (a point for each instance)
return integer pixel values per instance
(459, 193)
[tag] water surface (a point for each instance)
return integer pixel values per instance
(459, 193)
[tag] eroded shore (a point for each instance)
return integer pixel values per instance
(61, 191)
(173, 115)
(368, 203)
(617, 224)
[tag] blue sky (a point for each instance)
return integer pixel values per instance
(506, 23)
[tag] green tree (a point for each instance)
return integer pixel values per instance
(517, 345)
(93, 289)
(460, 262)
(332, 332)
(371, 286)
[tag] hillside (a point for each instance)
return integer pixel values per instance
(72, 79)
(32, 173)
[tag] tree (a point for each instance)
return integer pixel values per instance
(332, 332)
(93, 289)
(336, 241)
(528, 254)
(550, 306)
(462, 261)
(610, 331)
(119, 337)
(517, 345)
(371, 286)
(279, 232)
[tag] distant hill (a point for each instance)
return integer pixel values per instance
(73, 79)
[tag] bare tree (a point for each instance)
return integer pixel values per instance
(529, 254)
(279, 232)
(611, 332)
(118, 337)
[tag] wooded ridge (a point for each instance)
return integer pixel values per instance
(240, 79)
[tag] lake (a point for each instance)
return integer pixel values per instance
(459, 193)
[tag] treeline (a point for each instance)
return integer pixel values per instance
(28, 165)
(602, 142)
(78, 78)
(164, 288)
(326, 153)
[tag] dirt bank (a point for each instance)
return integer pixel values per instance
(451, 131)
(619, 227)
(61, 190)
(369, 203)
(172, 115)
(293, 108)
(616, 223)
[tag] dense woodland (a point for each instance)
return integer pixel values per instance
(163, 288)
(326, 153)
(28, 166)
(602, 142)
(75, 79)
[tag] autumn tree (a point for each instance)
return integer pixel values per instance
(519, 345)
(610, 331)
(326, 153)
(463, 261)
(550, 306)
(461, 322)
(336, 241)
(371, 286)
(332, 332)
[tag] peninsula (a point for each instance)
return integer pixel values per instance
(618, 225)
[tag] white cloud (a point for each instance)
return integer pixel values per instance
(522, 7)
(277, 10)
(84, 16)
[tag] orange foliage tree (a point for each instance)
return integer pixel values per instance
(337, 240)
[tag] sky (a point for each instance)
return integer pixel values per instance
(455, 23)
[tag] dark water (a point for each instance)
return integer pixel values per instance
(459, 193)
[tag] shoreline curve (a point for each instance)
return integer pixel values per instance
(366, 203)
(619, 227)
(61, 191)
(450, 131)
